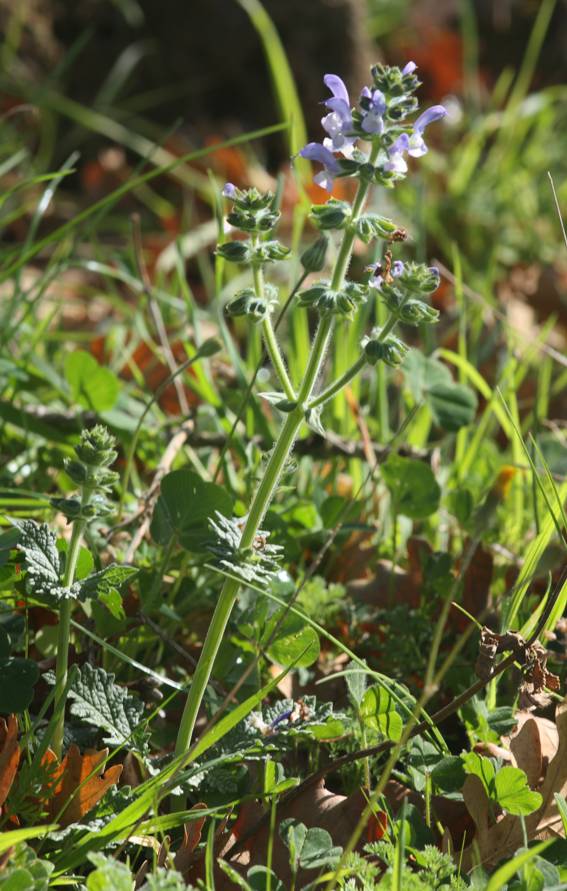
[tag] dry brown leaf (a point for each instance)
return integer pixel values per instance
(315, 806)
(78, 783)
(548, 736)
(492, 842)
(9, 755)
(526, 749)
(192, 831)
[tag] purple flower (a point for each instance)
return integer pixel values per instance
(417, 146)
(397, 163)
(338, 123)
(314, 151)
(229, 190)
(372, 115)
(409, 68)
(378, 280)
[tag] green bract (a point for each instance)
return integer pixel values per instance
(370, 226)
(235, 251)
(247, 303)
(334, 214)
(253, 221)
(313, 259)
(397, 88)
(391, 350)
(269, 252)
(330, 302)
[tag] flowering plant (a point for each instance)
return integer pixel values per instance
(369, 143)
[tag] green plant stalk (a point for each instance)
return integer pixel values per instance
(64, 628)
(351, 372)
(270, 338)
(265, 491)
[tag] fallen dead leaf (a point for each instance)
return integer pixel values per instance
(78, 783)
(185, 856)
(494, 840)
(9, 755)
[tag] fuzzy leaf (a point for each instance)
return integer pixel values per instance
(109, 874)
(98, 701)
(105, 586)
(42, 560)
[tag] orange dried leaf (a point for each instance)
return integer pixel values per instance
(79, 783)
(9, 755)
(191, 837)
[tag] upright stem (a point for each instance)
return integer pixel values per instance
(270, 338)
(62, 663)
(265, 491)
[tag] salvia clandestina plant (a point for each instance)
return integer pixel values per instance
(370, 143)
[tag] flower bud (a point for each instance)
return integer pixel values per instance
(235, 251)
(370, 226)
(96, 447)
(247, 303)
(416, 312)
(313, 258)
(269, 252)
(332, 215)
(392, 351)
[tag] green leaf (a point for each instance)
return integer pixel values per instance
(481, 767)
(378, 710)
(98, 701)
(308, 848)
(294, 642)
(109, 875)
(412, 485)
(513, 794)
(91, 385)
(258, 879)
(42, 560)
(449, 774)
(105, 586)
(423, 373)
(356, 681)
(452, 405)
(184, 507)
(24, 870)
(18, 677)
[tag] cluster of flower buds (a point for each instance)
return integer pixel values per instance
(379, 118)
(252, 212)
(334, 214)
(327, 301)
(390, 349)
(89, 470)
(247, 303)
(248, 254)
(370, 226)
(402, 286)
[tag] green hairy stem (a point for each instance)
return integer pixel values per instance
(64, 629)
(264, 494)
